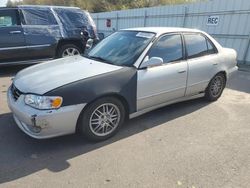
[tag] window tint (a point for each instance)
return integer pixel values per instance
(123, 47)
(38, 17)
(8, 18)
(196, 45)
(6, 21)
(169, 48)
(211, 48)
(72, 17)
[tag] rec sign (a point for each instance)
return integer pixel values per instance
(213, 20)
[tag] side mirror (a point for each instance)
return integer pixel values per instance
(89, 44)
(152, 62)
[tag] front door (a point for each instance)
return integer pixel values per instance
(161, 84)
(12, 42)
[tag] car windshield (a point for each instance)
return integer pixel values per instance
(121, 48)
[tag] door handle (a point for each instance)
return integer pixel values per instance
(15, 32)
(181, 71)
(215, 63)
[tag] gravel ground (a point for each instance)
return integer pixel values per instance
(188, 145)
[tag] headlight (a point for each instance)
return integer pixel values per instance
(43, 102)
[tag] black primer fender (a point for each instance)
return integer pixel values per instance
(122, 82)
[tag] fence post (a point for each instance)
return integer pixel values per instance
(184, 16)
(97, 20)
(117, 20)
(145, 18)
(246, 51)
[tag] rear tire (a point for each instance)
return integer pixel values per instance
(102, 119)
(215, 87)
(68, 50)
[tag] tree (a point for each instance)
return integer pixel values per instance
(9, 3)
(102, 5)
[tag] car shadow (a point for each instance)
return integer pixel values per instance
(21, 155)
(240, 82)
(6, 71)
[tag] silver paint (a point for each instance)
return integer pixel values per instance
(44, 77)
(52, 122)
(159, 84)
(156, 86)
(151, 108)
(169, 82)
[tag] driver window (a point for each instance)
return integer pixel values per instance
(168, 47)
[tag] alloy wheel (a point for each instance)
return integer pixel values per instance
(216, 86)
(70, 52)
(104, 119)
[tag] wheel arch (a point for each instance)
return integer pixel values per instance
(79, 43)
(219, 72)
(222, 72)
(121, 98)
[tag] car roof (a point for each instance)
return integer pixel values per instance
(46, 6)
(5, 8)
(162, 30)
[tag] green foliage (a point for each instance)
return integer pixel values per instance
(9, 3)
(101, 5)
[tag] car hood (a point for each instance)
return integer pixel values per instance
(40, 79)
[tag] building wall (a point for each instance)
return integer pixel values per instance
(232, 29)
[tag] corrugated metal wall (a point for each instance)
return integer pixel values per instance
(232, 30)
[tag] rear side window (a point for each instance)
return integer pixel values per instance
(38, 17)
(210, 47)
(8, 18)
(197, 45)
(168, 47)
(72, 17)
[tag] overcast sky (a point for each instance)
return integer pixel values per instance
(3, 3)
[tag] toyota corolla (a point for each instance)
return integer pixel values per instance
(129, 73)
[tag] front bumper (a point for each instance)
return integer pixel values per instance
(42, 124)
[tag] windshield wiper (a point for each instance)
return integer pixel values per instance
(100, 59)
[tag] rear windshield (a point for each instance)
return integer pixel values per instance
(73, 17)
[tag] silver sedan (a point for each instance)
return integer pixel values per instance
(129, 73)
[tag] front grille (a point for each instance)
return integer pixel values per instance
(15, 92)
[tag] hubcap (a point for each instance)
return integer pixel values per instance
(104, 119)
(216, 86)
(70, 52)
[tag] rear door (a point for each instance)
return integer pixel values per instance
(12, 42)
(41, 32)
(202, 61)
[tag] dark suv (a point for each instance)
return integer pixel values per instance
(36, 33)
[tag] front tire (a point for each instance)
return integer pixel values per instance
(215, 87)
(102, 119)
